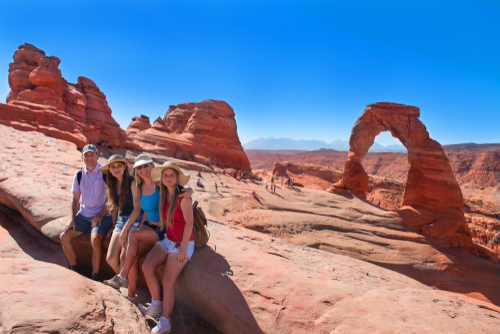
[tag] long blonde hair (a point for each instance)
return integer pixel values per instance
(163, 199)
(111, 189)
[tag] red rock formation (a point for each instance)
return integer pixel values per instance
(41, 100)
(432, 199)
(138, 124)
(197, 132)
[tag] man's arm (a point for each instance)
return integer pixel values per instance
(75, 205)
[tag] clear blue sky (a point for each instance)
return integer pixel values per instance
(296, 69)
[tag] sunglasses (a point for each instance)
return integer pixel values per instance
(142, 166)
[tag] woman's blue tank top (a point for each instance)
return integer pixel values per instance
(150, 205)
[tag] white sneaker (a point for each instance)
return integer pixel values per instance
(153, 311)
(163, 326)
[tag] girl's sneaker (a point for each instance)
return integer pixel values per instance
(163, 326)
(153, 311)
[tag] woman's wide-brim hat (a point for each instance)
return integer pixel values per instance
(115, 158)
(157, 171)
(143, 159)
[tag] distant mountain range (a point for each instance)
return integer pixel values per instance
(311, 145)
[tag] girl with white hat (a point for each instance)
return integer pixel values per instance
(142, 240)
(176, 214)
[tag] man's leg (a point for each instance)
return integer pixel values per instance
(96, 240)
(68, 247)
(98, 233)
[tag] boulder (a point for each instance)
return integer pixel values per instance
(138, 124)
(48, 74)
(206, 129)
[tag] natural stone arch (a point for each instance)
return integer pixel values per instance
(432, 199)
(430, 178)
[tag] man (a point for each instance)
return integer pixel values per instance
(90, 186)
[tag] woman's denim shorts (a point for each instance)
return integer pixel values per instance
(122, 220)
(172, 247)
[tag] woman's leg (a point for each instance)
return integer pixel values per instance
(113, 255)
(155, 257)
(146, 236)
(134, 271)
(172, 270)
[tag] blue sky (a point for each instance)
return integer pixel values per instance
(296, 69)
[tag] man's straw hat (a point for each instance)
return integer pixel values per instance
(157, 171)
(115, 158)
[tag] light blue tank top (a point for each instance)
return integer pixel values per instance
(150, 205)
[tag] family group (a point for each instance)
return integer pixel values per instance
(147, 213)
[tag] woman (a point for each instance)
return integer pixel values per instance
(142, 240)
(125, 203)
(175, 249)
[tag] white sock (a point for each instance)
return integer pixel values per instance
(123, 278)
(131, 298)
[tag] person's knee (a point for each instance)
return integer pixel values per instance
(147, 267)
(133, 236)
(66, 237)
(96, 240)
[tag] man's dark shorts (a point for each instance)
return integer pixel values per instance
(83, 224)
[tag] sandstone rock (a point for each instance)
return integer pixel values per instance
(48, 74)
(76, 103)
(206, 129)
(41, 297)
(138, 124)
(430, 186)
(250, 282)
(83, 114)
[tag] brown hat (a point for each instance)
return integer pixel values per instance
(157, 171)
(115, 158)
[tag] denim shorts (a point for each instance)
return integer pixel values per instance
(160, 232)
(122, 220)
(172, 247)
(83, 224)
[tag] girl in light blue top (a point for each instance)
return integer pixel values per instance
(142, 240)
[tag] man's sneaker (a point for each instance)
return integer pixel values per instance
(117, 282)
(153, 311)
(163, 326)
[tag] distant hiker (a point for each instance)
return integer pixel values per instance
(125, 202)
(266, 184)
(142, 240)
(216, 189)
(291, 183)
(199, 184)
(175, 250)
(254, 195)
(89, 195)
(199, 174)
(208, 161)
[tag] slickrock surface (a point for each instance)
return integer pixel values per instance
(196, 132)
(42, 297)
(41, 100)
(249, 282)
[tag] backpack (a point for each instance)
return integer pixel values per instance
(79, 176)
(201, 234)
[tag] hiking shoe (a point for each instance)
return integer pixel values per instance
(117, 282)
(153, 311)
(163, 326)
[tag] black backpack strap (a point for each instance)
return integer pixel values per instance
(104, 177)
(79, 176)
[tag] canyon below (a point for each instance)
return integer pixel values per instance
(362, 243)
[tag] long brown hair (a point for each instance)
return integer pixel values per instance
(163, 199)
(111, 189)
